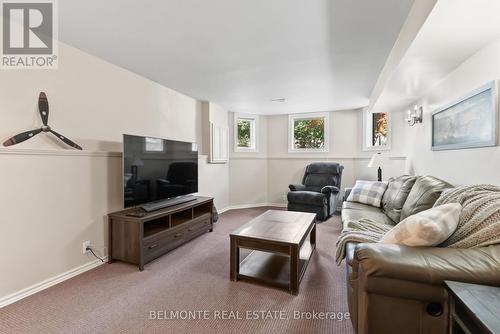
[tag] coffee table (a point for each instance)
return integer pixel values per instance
(274, 248)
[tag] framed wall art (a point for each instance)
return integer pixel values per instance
(470, 122)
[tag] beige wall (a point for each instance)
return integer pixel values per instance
(264, 177)
(248, 181)
(54, 199)
(248, 170)
(458, 166)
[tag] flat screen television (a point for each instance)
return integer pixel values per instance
(157, 169)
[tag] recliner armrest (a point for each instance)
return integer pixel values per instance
(431, 265)
(297, 187)
(329, 189)
(162, 182)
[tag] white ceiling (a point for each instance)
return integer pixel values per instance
(318, 54)
(454, 31)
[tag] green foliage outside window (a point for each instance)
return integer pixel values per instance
(309, 133)
(244, 133)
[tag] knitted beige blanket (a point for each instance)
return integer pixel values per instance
(479, 223)
(363, 230)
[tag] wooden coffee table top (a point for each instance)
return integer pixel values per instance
(274, 225)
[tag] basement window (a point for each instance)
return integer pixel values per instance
(376, 131)
(245, 133)
(308, 132)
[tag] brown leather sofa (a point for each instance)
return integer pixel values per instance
(400, 289)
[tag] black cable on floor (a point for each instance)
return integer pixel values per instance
(90, 249)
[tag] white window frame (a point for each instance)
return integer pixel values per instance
(367, 131)
(291, 130)
(254, 121)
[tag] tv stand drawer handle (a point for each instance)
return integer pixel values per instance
(153, 246)
(177, 235)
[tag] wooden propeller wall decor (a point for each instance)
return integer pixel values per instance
(43, 108)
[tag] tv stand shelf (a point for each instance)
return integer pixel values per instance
(139, 240)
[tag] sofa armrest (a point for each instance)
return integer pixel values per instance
(347, 192)
(329, 189)
(430, 265)
(297, 187)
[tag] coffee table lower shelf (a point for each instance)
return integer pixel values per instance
(272, 268)
(273, 249)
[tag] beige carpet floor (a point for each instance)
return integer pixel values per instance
(117, 298)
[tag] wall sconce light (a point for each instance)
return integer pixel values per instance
(415, 116)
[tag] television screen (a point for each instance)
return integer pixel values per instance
(156, 169)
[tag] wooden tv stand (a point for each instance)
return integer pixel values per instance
(139, 240)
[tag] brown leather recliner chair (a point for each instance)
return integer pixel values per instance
(400, 289)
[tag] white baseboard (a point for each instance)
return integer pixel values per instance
(248, 206)
(14, 297)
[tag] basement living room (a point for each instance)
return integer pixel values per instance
(287, 166)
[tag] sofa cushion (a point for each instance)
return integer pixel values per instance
(359, 206)
(423, 195)
(307, 197)
(396, 194)
(367, 192)
(349, 215)
(426, 228)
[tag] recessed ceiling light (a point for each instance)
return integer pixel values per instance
(279, 100)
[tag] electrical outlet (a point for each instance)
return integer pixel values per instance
(85, 245)
(284, 198)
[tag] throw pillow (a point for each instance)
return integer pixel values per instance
(395, 196)
(427, 228)
(423, 195)
(367, 192)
